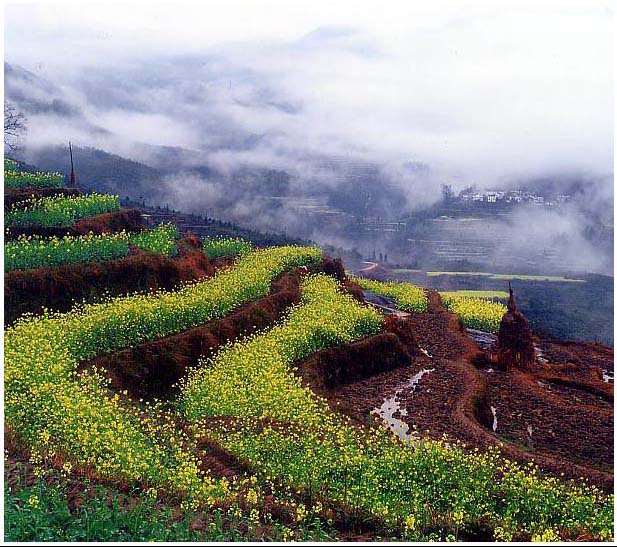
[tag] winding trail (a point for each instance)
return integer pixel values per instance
(372, 267)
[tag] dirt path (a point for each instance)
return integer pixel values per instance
(372, 266)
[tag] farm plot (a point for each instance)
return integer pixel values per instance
(297, 444)
(60, 210)
(408, 297)
(248, 401)
(56, 412)
(13, 178)
(225, 246)
(36, 252)
(476, 313)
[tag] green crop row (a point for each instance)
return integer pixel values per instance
(56, 412)
(44, 512)
(476, 313)
(407, 296)
(160, 240)
(23, 179)
(225, 246)
(294, 441)
(230, 386)
(60, 210)
(35, 252)
(502, 277)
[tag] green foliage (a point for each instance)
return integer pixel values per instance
(504, 277)
(10, 165)
(159, 240)
(41, 513)
(35, 252)
(476, 313)
(475, 294)
(60, 210)
(407, 296)
(251, 378)
(23, 179)
(465, 274)
(295, 442)
(225, 246)
(432, 485)
(55, 411)
(552, 278)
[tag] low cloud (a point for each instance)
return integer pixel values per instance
(456, 94)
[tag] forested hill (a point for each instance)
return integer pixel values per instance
(104, 172)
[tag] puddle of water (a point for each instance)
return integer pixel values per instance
(540, 354)
(392, 406)
(494, 413)
(486, 340)
(384, 303)
(608, 375)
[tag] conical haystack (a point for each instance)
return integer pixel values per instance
(515, 344)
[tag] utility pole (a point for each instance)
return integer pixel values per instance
(73, 177)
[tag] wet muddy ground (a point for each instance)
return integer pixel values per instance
(424, 377)
(560, 416)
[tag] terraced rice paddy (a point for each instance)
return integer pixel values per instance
(475, 294)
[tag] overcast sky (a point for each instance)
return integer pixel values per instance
(474, 89)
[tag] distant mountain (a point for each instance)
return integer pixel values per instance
(34, 95)
(226, 169)
(98, 170)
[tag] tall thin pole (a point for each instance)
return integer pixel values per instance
(73, 177)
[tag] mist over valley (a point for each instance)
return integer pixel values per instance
(476, 142)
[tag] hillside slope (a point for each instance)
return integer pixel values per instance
(180, 388)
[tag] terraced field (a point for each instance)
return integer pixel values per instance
(162, 387)
(557, 279)
(27, 253)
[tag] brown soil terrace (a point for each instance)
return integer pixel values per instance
(60, 288)
(567, 410)
(80, 485)
(571, 429)
(130, 220)
(349, 523)
(560, 415)
(151, 369)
